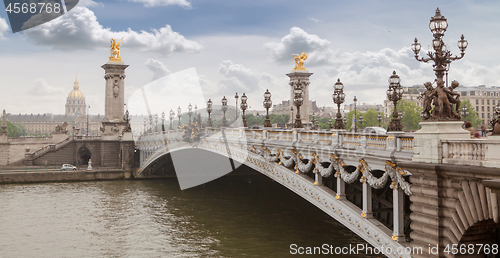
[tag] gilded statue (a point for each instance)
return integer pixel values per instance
(299, 61)
(115, 51)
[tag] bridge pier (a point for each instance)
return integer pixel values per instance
(367, 201)
(450, 206)
(340, 188)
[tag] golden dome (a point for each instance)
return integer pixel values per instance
(76, 94)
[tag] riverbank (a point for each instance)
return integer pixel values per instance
(29, 176)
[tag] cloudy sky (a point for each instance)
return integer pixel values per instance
(242, 46)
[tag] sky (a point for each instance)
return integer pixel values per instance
(241, 46)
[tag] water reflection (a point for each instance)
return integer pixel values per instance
(235, 216)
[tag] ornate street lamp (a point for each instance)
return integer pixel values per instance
(172, 116)
(330, 123)
(313, 121)
(345, 121)
(298, 99)
(236, 107)
(355, 115)
(395, 93)
(464, 112)
(150, 123)
(244, 106)
(224, 109)
(338, 98)
(442, 59)
(360, 121)
(379, 118)
(163, 121)
(441, 56)
(156, 122)
(209, 110)
(179, 114)
(190, 112)
(267, 104)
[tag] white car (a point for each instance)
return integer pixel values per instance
(68, 167)
(375, 130)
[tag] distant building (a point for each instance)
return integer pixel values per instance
(75, 116)
(363, 107)
(483, 99)
(409, 94)
(284, 108)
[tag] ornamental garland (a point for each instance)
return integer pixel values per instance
(391, 169)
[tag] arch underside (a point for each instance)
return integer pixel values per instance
(345, 212)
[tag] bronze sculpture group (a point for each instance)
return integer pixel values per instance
(445, 101)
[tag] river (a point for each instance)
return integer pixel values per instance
(233, 216)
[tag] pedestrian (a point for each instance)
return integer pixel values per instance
(483, 130)
(473, 132)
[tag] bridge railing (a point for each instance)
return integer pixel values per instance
(474, 152)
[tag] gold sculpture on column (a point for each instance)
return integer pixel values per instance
(115, 51)
(299, 61)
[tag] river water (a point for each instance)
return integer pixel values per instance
(233, 216)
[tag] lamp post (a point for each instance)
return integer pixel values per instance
(379, 118)
(355, 115)
(330, 122)
(145, 122)
(156, 122)
(298, 99)
(190, 112)
(360, 121)
(224, 109)
(209, 110)
(88, 109)
(313, 121)
(464, 112)
(441, 56)
(172, 116)
(395, 93)
(244, 106)
(345, 121)
(163, 121)
(267, 104)
(151, 123)
(74, 146)
(236, 107)
(179, 114)
(338, 98)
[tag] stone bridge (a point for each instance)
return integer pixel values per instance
(369, 183)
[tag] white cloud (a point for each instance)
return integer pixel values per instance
(42, 88)
(298, 41)
(90, 3)
(79, 29)
(157, 67)
(4, 28)
(313, 19)
(153, 3)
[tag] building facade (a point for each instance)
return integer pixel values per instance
(411, 94)
(482, 98)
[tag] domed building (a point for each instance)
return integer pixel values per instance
(75, 102)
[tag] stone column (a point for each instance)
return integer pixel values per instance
(302, 75)
(113, 123)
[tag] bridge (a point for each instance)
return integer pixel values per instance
(369, 183)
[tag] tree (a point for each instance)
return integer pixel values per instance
(15, 130)
(411, 118)
(472, 116)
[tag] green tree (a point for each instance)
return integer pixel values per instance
(15, 130)
(472, 116)
(411, 118)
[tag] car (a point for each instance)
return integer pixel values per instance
(375, 130)
(68, 167)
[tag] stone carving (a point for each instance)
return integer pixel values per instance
(495, 123)
(116, 88)
(61, 129)
(443, 99)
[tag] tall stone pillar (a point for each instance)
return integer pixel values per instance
(302, 75)
(113, 123)
(3, 127)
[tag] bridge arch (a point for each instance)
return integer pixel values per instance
(323, 197)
